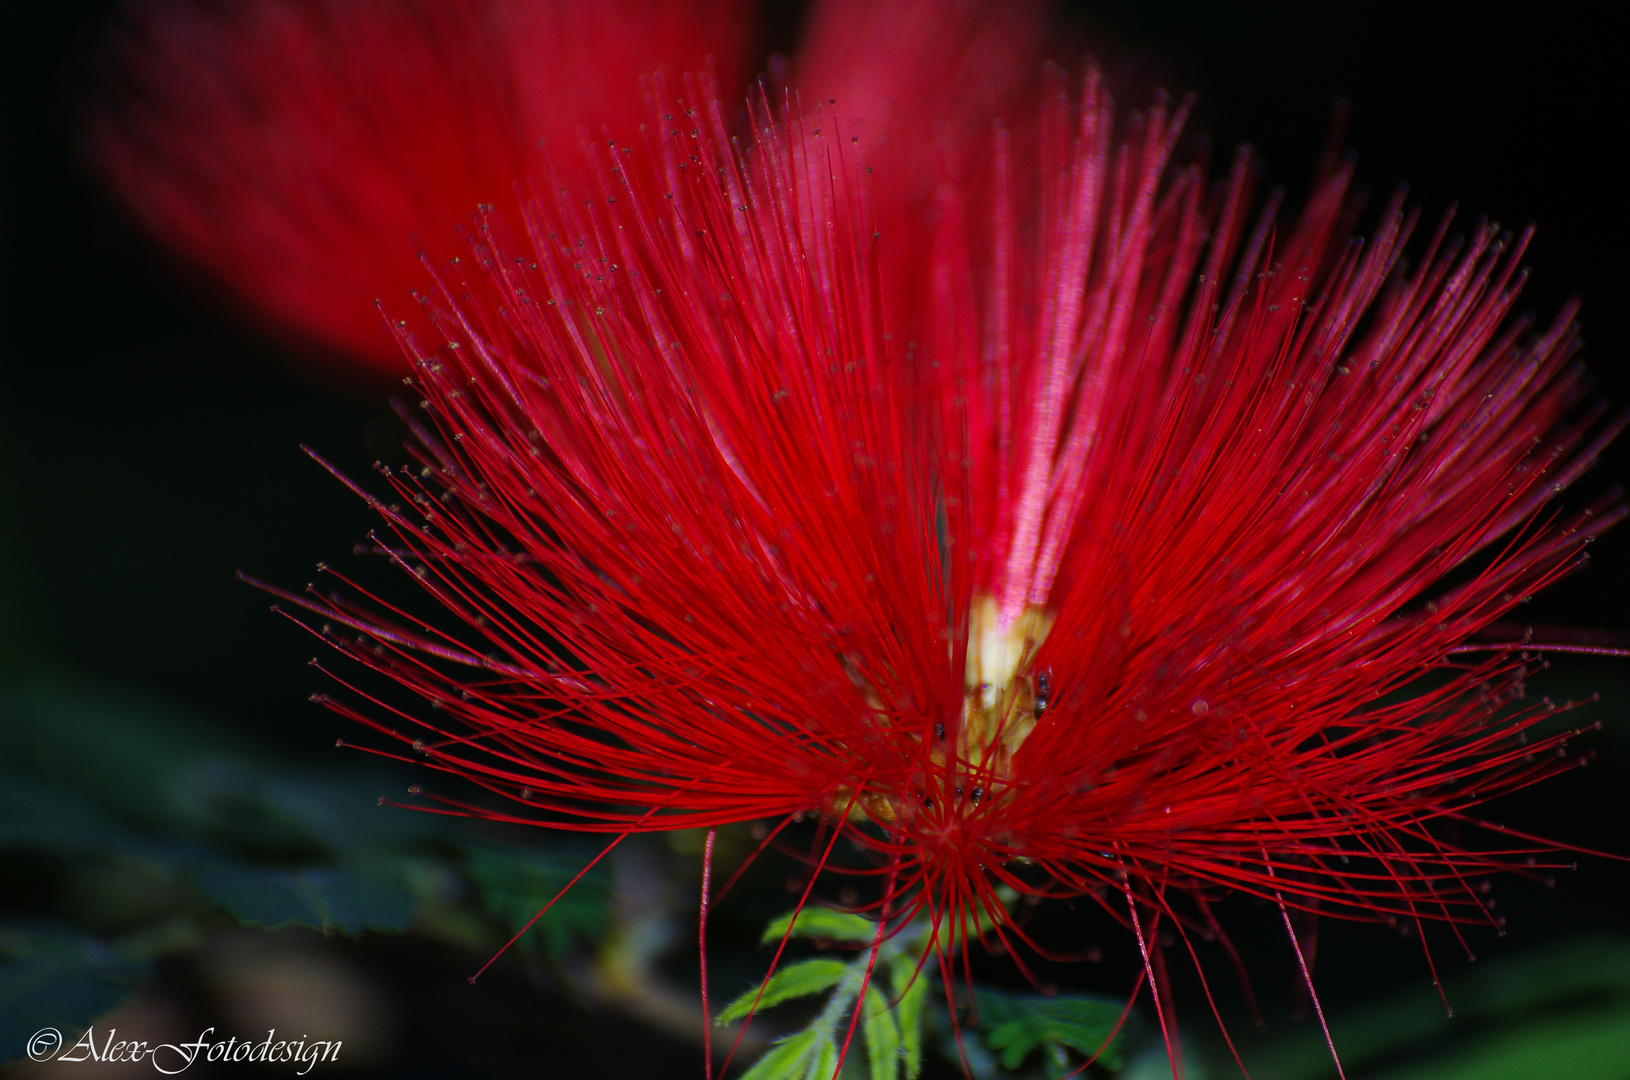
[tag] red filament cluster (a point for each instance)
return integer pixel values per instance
(734, 525)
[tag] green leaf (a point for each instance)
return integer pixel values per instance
(63, 982)
(367, 895)
(1015, 1024)
(123, 747)
(515, 885)
(824, 1062)
(910, 987)
(1584, 1045)
(1499, 995)
(786, 1060)
(818, 922)
(799, 980)
(882, 1037)
(44, 816)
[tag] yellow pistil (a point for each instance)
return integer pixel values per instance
(999, 708)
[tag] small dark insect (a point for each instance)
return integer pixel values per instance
(1044, 692)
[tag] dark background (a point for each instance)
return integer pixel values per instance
(149, 446)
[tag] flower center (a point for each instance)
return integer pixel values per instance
(1002, 701)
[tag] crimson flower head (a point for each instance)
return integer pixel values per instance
(1093, 540)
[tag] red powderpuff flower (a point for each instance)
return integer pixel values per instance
(303, 153)
(1116, 568)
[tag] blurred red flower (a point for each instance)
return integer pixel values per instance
(303, 154)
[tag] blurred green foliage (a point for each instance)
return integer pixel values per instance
(1561, 1011)
(131, 830)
